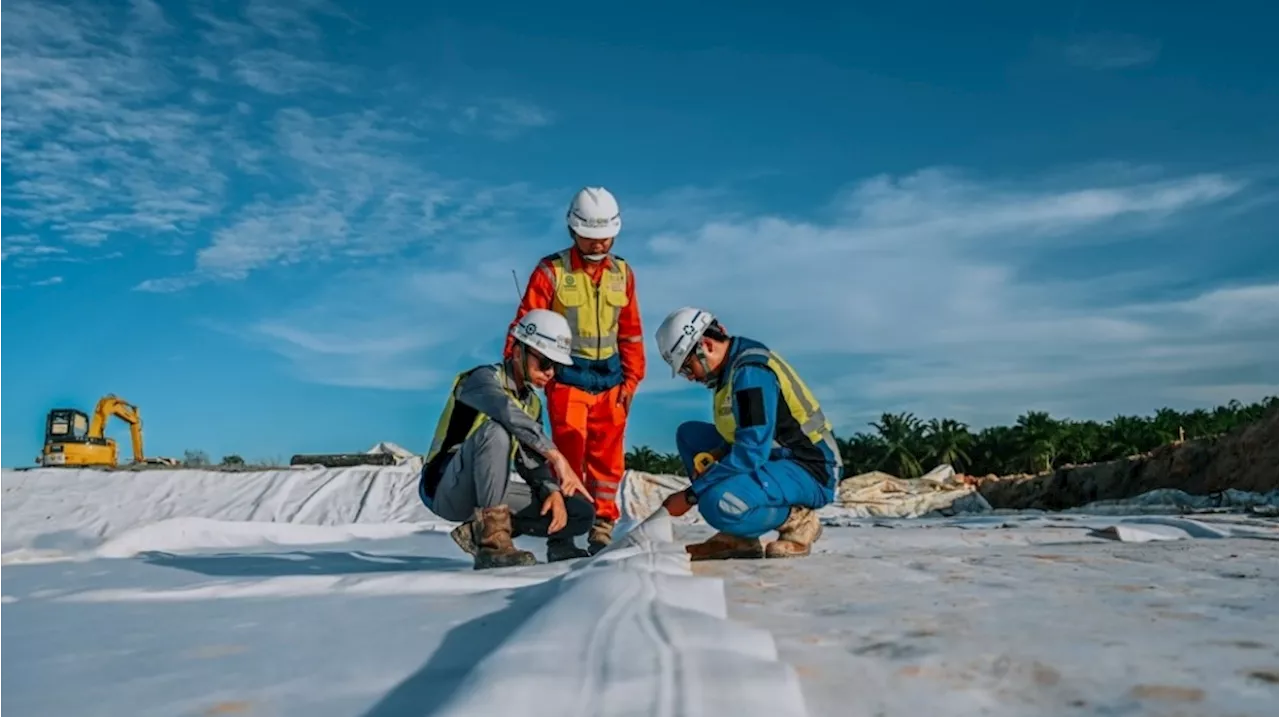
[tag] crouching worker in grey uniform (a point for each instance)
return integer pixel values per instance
(492, 418)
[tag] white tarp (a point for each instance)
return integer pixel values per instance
(869, 495)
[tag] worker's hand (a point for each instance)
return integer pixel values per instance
(559, 516)
(568, 479)
(677, 504)
(624, 400)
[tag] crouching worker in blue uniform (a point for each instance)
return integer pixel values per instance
(769, 460)
(492, 418)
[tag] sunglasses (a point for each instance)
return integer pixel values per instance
(686, 368)
(542, 362)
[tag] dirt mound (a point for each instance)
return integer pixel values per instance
(1244, 459)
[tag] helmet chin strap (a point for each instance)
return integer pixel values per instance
(594, 257)
(519, 363)
(708, 379)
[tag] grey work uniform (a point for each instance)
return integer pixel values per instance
(474, 471)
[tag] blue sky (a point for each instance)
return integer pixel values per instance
(281, 227)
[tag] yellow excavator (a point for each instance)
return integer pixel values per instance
(73, 439)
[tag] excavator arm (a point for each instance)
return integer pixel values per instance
(112, 405)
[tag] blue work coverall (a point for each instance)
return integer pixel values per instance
(750, 491)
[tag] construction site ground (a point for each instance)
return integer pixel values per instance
(334, 592)
(929, 618)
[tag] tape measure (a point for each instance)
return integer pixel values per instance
(702, 462)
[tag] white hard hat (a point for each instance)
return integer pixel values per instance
(547, 332)
(594, 214)
(679, 333)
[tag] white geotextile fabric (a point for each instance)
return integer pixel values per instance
(633, 609)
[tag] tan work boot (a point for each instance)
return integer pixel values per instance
(796, 535)
(492, 536)
(600, 536)
(723, 546)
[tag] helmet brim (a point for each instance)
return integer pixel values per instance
(596, 233)
(559, 356)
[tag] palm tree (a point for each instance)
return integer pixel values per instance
(1165, 425)
(1036, 441)
(1079, 442)
(1129, 435)
(947, 440)
(903, 437)
(860, 453)
(1038, 434)
(993, 450)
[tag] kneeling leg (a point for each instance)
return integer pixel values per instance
(739, 510)
(474, 490)
(528, 520)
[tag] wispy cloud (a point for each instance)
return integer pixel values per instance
(1111, 50)
(27, 249)
(356, 192)
(92, 145)
(218, 138)
(337, 356)
(500, 119)
(149, 17)
(912, 292)
(936, 293)
(298, 20)
(281, 73)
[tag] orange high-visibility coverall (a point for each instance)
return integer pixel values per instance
(584, 401)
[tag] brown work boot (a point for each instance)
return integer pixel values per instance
(465, 536)
(796, 535)
(723, 546)
(492, 534)
(600, 536)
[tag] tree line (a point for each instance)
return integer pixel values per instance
(907, 446)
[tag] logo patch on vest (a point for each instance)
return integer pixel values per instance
(725, 408)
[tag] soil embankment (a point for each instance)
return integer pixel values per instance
(1244, 459)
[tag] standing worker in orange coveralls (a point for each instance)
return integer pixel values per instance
(588, 402)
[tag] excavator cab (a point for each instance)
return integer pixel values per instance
(67, 441)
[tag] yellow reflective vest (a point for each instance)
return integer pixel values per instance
(458, 420)
(800, 426)
(592, 311)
